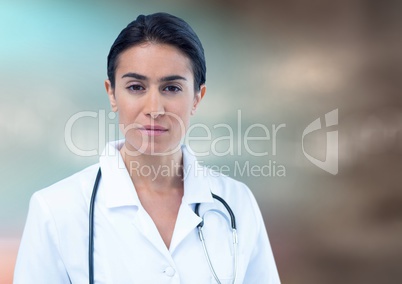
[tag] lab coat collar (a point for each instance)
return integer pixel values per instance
(196, 180)
(119, 189)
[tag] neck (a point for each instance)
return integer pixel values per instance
(154, 172)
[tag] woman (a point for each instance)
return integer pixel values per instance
(145, 228)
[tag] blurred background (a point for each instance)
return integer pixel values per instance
(276, 63)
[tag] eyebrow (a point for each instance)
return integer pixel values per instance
(163, 79)
(135, 76)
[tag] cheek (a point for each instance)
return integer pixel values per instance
(128, 112)
(181, 116)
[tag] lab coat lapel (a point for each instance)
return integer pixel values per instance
(186, 222)
(147, 228)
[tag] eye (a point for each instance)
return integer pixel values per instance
(172, 89)
(135, 88)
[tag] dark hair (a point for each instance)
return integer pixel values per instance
(160, 28)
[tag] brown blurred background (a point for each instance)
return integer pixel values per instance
(345, 54)
(278, 62)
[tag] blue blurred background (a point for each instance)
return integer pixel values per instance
(274, 62)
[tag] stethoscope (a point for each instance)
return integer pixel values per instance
(199, 226)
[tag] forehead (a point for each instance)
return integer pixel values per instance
(154, 60)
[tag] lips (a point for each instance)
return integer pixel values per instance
(153, 130)
(154, 127)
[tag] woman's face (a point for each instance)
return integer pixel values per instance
(154, 95)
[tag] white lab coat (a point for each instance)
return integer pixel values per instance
(127, 246)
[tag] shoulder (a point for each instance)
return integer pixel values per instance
(58, 219)
(73, 184)
(72, 191)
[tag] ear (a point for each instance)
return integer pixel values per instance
(112, 97)
(198, 97)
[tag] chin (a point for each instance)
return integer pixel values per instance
(154, 149)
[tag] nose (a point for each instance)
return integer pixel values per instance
(153, 104)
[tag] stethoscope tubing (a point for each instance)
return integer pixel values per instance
(91, 228)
